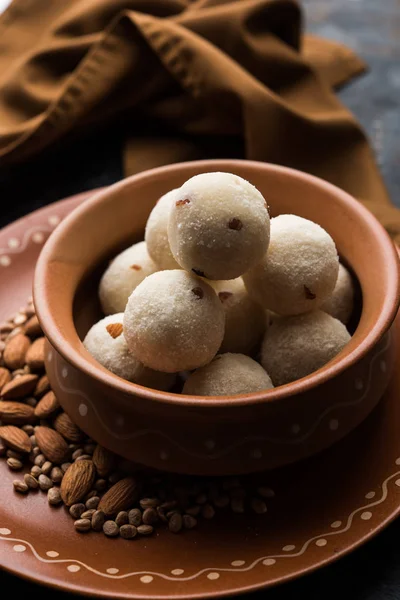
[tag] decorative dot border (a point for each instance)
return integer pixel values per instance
(36, 234)
(297, 434)
(364, 513)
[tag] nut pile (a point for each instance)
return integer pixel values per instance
(102, 491)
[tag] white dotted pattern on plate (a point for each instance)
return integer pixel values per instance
(255, 452)
(212, 573)
(35, 234)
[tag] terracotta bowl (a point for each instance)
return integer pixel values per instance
(220, 435)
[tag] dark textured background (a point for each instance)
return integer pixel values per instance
(372, 28)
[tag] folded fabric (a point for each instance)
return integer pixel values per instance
(206, 78)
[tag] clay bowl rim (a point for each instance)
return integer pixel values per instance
(344, 360)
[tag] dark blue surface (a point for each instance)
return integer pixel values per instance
(372, 28)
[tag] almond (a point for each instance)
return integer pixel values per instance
(16, 413)
(115, 329)
(32, 327)
(19, 387)
(223, 296)
(77, 481)
(15, 438)
(5, 377)
(35, 355)
(308, 293)
(47, 405)
(6, 327)
(42, 387)
(235, 224)
(120, 496)
(51, 444)
(104, 460)
(67, 428)
(15, 351)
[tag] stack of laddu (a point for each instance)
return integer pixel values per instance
(215, 286)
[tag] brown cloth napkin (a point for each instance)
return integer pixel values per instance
(188, 79)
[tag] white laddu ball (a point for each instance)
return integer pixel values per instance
(174, 321)
(245, 319)
(156, 234)
(218, 226)
(300, 269)
(227, 375)
(124, 273)
(105, 341)
(296, 346)
(340, 303)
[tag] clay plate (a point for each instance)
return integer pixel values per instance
(323, 507)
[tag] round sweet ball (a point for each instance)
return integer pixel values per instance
(227, 375)
(106, 342)
(124, 273)
(299, 271)
(340, 303)
(156, 234)
(245, 319)
(218, 226)
(296, 346)
(174, 321)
